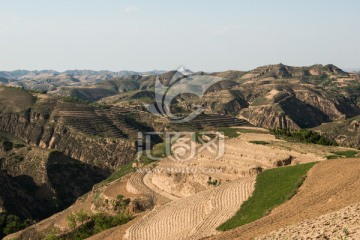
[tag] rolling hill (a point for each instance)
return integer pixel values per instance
(90, 124)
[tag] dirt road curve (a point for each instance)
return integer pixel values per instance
(330, 186)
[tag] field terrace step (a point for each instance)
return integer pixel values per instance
(205, 121)
(88, 120)
(119, 121)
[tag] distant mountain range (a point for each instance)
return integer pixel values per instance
(50, 80)
(26, 74)
(352, 69)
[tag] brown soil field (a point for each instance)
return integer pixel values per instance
(330, 186)
(342, 224)
(186, 205)
(193, 217)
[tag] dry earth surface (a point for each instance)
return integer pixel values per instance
(330, 186)
(194, 217)
(186, 205)
(335, 225)
(195, 208)
(241, 159)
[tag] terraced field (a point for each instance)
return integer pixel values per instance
(191, 205)
(136, 185)
(148, 182)
(120, 122)
(211, 121)
(194, 217)
(111, 123)
(217, 120)
(241, 159)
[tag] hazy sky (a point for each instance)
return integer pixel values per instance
(210, 35)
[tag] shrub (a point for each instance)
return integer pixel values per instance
(303, 135)
(71, 218)
(73, 99)
(213, 182)
(12, 223)
(230, 132)
(18, 145)
(91, 225)
(260, 142)
(7, 146)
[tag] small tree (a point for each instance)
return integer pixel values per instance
(71, 218)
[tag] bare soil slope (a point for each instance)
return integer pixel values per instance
(186, 205)
(330, 186)
(194, 217)
(14, 100)
(335, 225)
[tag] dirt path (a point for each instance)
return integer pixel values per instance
(330, 186)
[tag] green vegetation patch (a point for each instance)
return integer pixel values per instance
(157, 151)
(122, 171)
(248, 130)
(260, 142)
(303, 135)
(261, 101)
(230, 132)
(273, 187)
(84, 225)
(12, 223)
(343, 154)
(236, 132)
(73, 99)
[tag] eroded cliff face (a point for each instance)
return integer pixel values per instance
(271, 96)
(43, 130)
(293, 104)
(47, 163)
(336, 108)
(36, 183)
(268, 117)
(216, 102)
(346, 132)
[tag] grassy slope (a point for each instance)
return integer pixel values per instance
(122, 171)
(273, 187)
(343, 154)
(230, 132)
(236, 132)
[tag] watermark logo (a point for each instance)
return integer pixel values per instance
(183, 146)
(182, 82)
